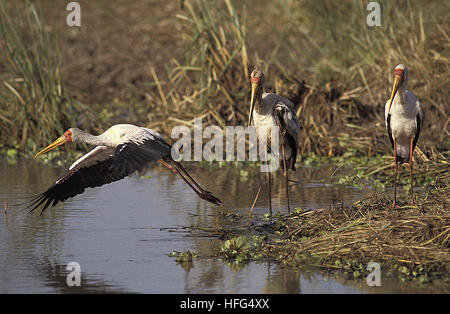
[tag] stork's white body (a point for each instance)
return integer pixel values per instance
(108, 141)
(264, 120)
(271, 111)
(122, 133)
(403, 117)
(403, 123)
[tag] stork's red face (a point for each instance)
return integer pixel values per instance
(255, 80)
(399, 78)
(66, 138)
(399, 73)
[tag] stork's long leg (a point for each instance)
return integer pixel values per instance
(411, 170)
(205, 194)
(202, 193)
(285, 173)
(180, 167)
(395, 177)
(175, 170)
(269, 189)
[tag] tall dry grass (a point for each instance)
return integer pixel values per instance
(321, 55)
(212, 81)
(34, 107)
(415, 33)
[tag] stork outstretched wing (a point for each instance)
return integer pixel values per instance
(100, 166)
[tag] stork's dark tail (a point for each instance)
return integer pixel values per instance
(402, 160)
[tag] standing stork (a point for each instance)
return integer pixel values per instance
(121, 150)
(272, 110)
(403, 117)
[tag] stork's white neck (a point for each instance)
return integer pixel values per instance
(258, 98)
(96, 140)
(401, 94)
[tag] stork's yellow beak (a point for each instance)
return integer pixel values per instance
(397, 82)
(252, 102)
(60, 141)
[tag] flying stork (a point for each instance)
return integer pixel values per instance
(403, 117)
(121, 150)
(270, 110)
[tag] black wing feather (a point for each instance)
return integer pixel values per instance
(75, 181)
(132, 156)
(416, 137)
(388, 127)
(127, 158)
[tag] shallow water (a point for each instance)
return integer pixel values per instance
(121, 234)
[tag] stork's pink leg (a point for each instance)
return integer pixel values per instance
(395, 177)
(205, 194)
(208, 196)
(286, 179)
(411, 170)
(269, 186)
(180, 167)
(174, 170)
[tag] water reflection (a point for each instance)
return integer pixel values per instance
(121, 233)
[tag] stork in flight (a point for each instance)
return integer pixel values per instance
(270, 110)
(403, 117)
(121, 150)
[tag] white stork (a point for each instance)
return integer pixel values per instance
(121, 150)
(403, 117)
(272, 110)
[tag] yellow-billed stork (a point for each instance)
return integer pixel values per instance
(120, 151)
(404, 118)
(269, 110)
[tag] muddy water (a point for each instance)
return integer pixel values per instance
(121, 234)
